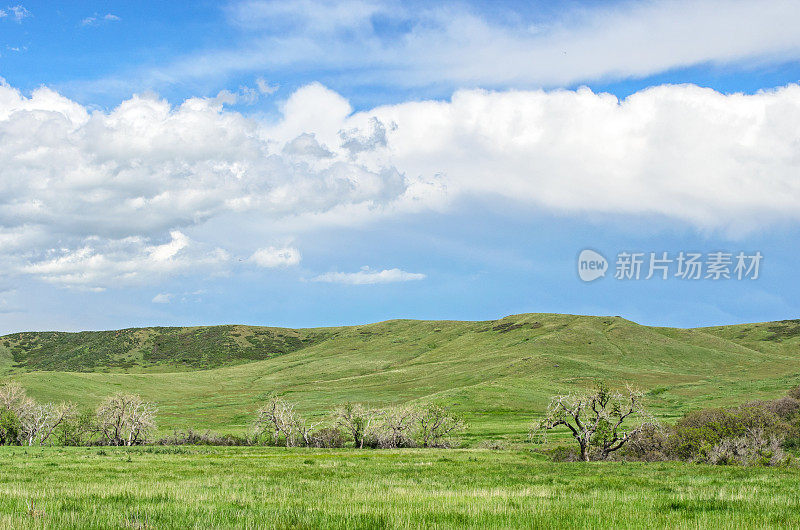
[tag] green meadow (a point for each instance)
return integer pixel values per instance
(178, 487)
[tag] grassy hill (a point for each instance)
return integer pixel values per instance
(152, 349)
(499, 374)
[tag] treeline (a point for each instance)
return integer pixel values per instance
(432, 425)
(761, 433)
(121, 419)
(127, 420)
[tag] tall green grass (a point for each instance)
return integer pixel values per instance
(296, 488)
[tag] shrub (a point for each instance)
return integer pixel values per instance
(784, 408)
(650, 444)
(191, 437)
(77, 429)
(753, 449)
(328, 437)
(792, 439)
(563, 453)
(699, 432)
(9, 428)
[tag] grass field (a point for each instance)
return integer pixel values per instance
(498, 374)
(297, 488)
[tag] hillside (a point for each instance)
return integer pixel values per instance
(499, 374)
(156, 348)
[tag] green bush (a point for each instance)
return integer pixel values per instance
(699, 432)
(9, 428)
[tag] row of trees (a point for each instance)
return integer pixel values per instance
(608, 424)
(127, 419)
(121, 419)
(278, 423)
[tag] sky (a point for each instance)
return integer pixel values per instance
(316, 163)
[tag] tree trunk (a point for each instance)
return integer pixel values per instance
(584, 452)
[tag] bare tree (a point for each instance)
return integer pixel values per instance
(356, 420)
(600, 418)
(396, 424)
(12, 394)
(303, 430)
(125, 419)
(277, 417)
(38, 421)
(436, 425)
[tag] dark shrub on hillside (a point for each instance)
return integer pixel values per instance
(328, 437)
(794, 393)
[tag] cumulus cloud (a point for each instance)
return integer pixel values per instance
(98, 263)
(92, 198)
(271, 257)
(86, 196)
(366, 276)
(718, 162)
(162, 298)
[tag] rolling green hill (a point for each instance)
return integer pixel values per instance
(499, 374)
(153, 349)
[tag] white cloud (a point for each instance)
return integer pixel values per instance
(98, 19)
(684, 153)
(100, 264)
(17, 12)
(366, 276)
(265, 88)
(276, 257)
(92, 199)
(455, 45)
(162, 298)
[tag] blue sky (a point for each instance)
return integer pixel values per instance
(318, 163)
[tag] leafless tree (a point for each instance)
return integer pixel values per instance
(602, 418)
(278, 418)
(395, 426)
(38, 421)
(303, 430)
(125, 419)
(436, 425)
(356, 420)
(12, 394)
